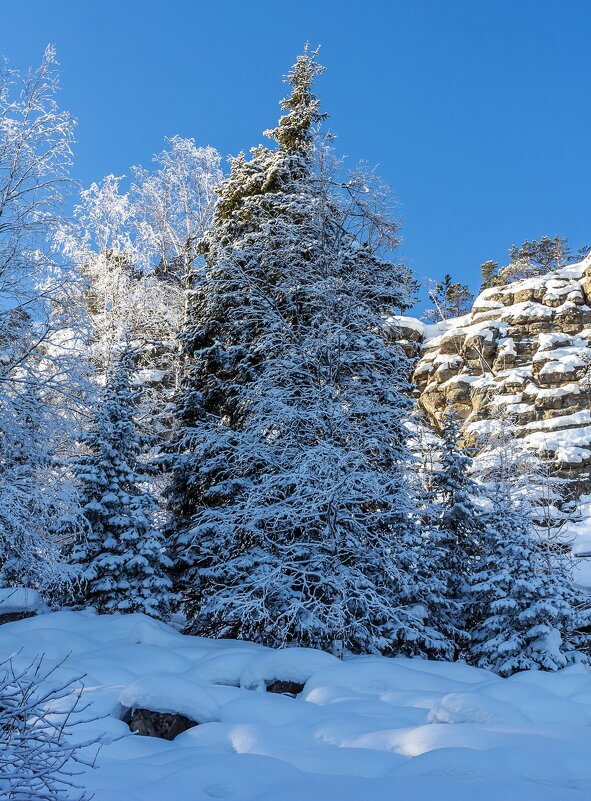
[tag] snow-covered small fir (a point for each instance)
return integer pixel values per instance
(38, 505)
(452, 519)
(527, 612)
(122, 561)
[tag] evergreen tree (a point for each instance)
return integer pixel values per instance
(532, 258)
(449, 299)
(525, 606)
(290, 489)
(456, 524)
(122, 559)
(543, 255)
(490, 275)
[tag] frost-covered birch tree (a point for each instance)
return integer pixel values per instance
(173, 206)
(290, 487)
(35, 157)
(36, 364)
(135, 251)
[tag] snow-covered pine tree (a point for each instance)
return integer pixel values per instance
(290, 486)
(451, 518)
(122, 559)
(456, 523)
(33, 498)
(525, 606)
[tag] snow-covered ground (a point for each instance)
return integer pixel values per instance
(365, 729)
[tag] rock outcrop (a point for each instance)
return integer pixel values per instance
(525, 347)
(165, 725)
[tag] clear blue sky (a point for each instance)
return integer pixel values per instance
(478, 113)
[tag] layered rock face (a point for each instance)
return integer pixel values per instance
(525, 347)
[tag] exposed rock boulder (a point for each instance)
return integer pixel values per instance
(165, 725)
(154, 708)
(291, 688)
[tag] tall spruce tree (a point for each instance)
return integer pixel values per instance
(122, 560)
(290, 489)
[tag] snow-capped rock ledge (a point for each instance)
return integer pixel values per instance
(525, 346)
(19, 602)
(364, 729)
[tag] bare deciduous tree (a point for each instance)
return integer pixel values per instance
(39, 757)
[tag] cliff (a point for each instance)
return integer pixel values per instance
(525, 347)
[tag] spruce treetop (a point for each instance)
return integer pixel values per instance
(272, 170)
(294, 133)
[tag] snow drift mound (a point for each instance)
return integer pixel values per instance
(364, 729)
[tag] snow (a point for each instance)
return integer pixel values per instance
(159, 694)
(428, 331)
(561, 360)
(364, 729)
(19, 599)
(290, 664)
(529, 310)
(565, 421)
(474, 708)
(570, 446)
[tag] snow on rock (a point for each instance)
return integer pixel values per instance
(288, 664)
(364, 729)
(165, 693)
(534, 346)
(14, 600)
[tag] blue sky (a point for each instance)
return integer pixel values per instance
(477, 113)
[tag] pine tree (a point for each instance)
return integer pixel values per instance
(490, 275)
(456, 526)
(532, 258)
(122, 559)
(295, 516)
(525, 606)
(543, 255)
(450, 299)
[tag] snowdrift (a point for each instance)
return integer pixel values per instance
(364, 729)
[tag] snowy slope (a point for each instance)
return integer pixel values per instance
(366, 729)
